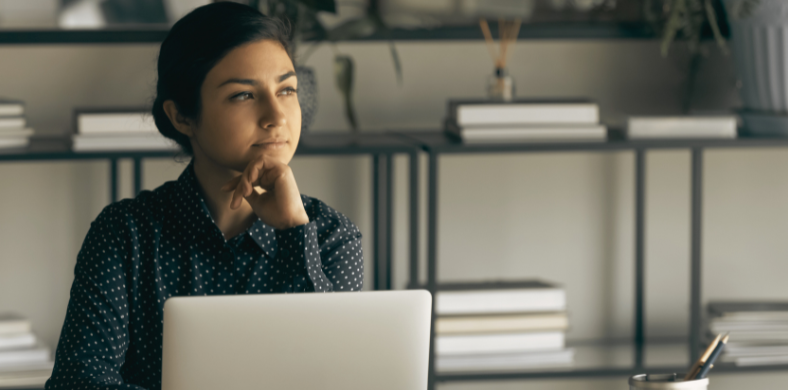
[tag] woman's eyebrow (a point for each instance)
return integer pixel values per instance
(286, 76)
(253, 82)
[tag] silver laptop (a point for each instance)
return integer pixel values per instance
(347, 340)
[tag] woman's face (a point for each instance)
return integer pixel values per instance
(249, 107)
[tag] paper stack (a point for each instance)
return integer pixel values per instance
(479, 121)
(99, 130)
(500, 326)
(24, 361)
(655, 127)
(758, 331)
(13, 125)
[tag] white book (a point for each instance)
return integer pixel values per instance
(532, 133)
(499, 298)
(11, 108)
(19, 340)
(681, 127)
(471, 113)
(11, 323)
(724, 326)
(46, 366)
(498, 343)
(115, 122)
(25, 356)
(15, 133)
(14, 143)
(90, 143)
(502, 323)
(505, 362)
(761, 360)
(18, 122)
(35, 380)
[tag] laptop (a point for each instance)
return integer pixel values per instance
(343, 340)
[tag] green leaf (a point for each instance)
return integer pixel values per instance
(715, 28)
(343, 72)
(356, 28)
(320, 5)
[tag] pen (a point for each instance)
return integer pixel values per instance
(693, 371)
(714, 355)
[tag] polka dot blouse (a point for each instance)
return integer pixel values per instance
(139, 252)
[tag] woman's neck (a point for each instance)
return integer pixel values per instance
(211, 178)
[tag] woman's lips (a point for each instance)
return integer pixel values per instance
(271, 145)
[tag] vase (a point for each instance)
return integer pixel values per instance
(759, 43)
(307, 95)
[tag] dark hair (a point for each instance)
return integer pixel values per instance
(194, 45)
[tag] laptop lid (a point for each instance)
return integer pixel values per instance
(346, 340)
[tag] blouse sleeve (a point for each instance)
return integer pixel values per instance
(327, 254)
(95, 335)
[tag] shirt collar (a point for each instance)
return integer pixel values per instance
(192, 214)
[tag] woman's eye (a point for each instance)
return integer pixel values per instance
(289, 91)
(242, 96)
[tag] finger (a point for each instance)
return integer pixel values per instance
(230, 185)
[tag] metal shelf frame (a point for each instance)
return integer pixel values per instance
(154, 34)
(436, 143)
(380, 147)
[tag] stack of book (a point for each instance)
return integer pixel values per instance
(97, 130)
(500, 326)
(13, 125)
(24, 361)
(479, 121)
(655, 127)
(758, 331)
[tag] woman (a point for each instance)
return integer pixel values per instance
(233, 223)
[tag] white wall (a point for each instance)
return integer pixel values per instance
(566, 217)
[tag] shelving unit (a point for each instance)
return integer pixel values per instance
(381, 147)
(436, 143)
(156, 34)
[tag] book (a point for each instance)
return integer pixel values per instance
(505, 361)
(749, 310)
(681, 127)
(114, 122)
(502, 323)
(26, 375)
(24, 356)
(748, 361)
(499, 297)
(527, 133)
(13, 122)
(12, 323)
(764, 124)
(17, 340)
(93, 142)
(486, 112)
(498, 343)
(11, 108)
(24, 379)
(14, 143)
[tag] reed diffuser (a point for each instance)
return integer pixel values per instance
(500, 86)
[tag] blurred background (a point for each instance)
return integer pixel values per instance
(566, 217)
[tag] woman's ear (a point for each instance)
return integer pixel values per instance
(181, 123)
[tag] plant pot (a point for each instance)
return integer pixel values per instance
(759, 42)
(307, 95)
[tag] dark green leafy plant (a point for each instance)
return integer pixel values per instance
(307, 27)
(687, 19)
